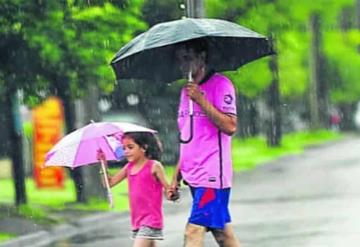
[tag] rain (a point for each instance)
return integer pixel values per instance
(65, 65)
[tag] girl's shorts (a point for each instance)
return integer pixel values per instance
(210, 207)
(147, 233)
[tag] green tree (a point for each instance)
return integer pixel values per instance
(287, 21)
(52, 47)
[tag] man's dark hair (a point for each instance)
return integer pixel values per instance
(199, 45)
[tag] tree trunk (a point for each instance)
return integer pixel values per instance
(273, 101)
(15, 144)
(347, 112)
(314, 71)
(88, 111)
(63, 91)
(248, 116)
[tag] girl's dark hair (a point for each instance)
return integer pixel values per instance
(148, 141)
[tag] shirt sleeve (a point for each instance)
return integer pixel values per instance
(225, 96)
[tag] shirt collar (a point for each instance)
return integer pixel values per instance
(208, 75)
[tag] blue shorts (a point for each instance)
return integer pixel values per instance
(210, 207)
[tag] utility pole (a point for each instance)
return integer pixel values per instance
(314, 74)
(195, 8)
(274, 132)
(358, 14)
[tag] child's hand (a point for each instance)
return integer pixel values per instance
(100, 155)
(172, 194)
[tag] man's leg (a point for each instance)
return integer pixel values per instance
(226, 237)
(194, 235)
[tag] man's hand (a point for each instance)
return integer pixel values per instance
(193, 91)
(225, 122)
(172, 193)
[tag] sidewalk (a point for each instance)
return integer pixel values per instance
(35, 235)
(31, 234)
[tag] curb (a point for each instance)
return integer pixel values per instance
(63, 231)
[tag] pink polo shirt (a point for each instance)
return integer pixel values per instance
(206, 160)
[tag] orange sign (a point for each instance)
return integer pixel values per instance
(48, 120)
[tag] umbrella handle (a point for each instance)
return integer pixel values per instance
(191, 132)
(191, 114)
(109, 194)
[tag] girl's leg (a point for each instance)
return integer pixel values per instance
(142, 242)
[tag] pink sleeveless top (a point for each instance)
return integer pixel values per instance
(145, 197)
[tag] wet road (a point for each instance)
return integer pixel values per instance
(310, 200)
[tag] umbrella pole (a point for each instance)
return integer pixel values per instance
(191, 114)
(191, 103)
(108, 190)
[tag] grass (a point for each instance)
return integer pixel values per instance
(6, 236)
(60, 199)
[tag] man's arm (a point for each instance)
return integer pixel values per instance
(175, 184)
(225, 122)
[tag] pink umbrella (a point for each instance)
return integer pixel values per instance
(81, 146)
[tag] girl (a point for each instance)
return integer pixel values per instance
(146, 180)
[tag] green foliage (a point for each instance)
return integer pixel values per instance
(101, 31)
(343, 60)
(252, 78)
(287, 21)
(248, 153)
(56, 45)
(293, 56)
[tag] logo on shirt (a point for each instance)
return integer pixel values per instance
(212, 179)
(228, 99)
(186, 113)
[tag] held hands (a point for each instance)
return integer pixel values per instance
(172, 193)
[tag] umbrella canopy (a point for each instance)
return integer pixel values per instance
(81, 146)
(151, 55)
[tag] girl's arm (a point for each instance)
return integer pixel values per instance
(159, 173)
(118, 177)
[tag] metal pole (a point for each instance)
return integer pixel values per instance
(195, 8)
(358, 14)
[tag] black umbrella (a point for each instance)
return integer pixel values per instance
(150, 55)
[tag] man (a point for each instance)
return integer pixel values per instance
(205, 152)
